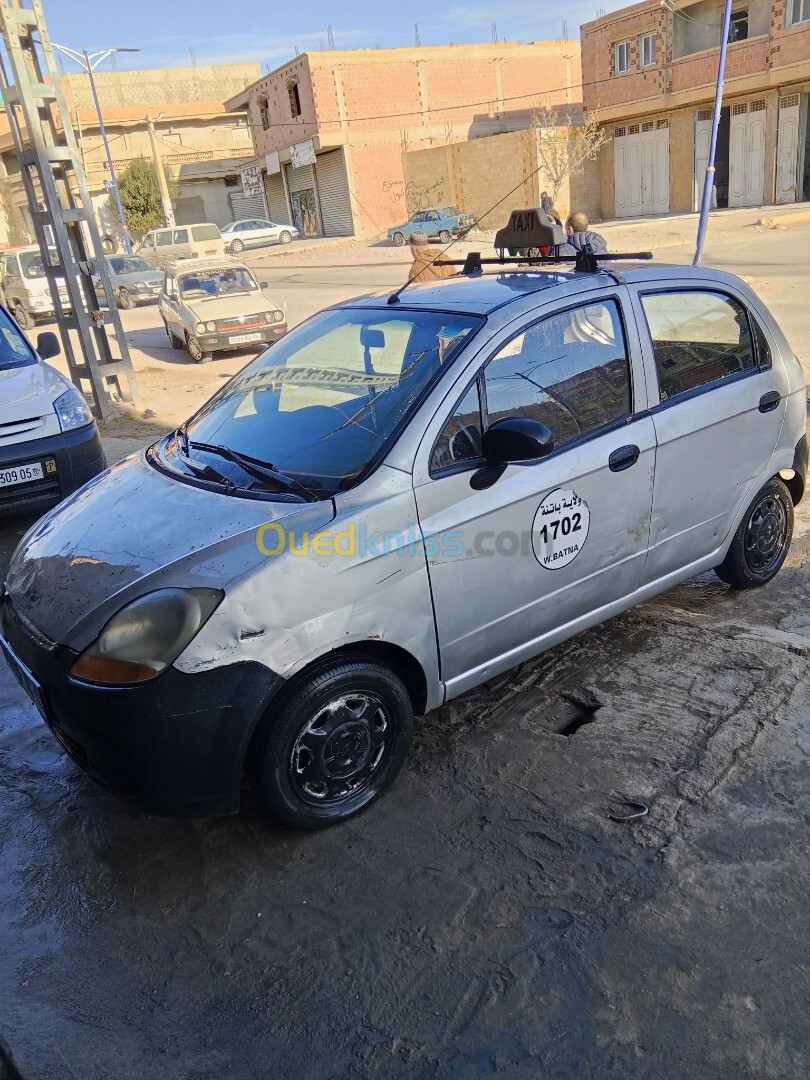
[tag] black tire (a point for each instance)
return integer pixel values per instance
(196, 351)
(335, 745)
(445, 237)
(399, 239)
(124, 299)
(284, 237)
(108, 245)
(25, 320)
(174, 340)
(237, 247)
(762, 541)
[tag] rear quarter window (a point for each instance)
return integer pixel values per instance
(205, 232)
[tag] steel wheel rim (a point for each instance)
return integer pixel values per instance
(765, 534)
(342, 750)
(194, 349)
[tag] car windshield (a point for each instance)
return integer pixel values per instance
(130, 265)
(217, 283)
(32, 266)
(14, 349)
(325, 402)
(450, 211)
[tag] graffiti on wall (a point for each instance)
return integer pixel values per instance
(415, 196)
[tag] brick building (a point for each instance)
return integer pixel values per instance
(652, 71)
(330, 128)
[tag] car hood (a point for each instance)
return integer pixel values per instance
(230, 307)
(151, 277)
(28, 392)
(130, 531)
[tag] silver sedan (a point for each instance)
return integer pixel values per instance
(256, 233)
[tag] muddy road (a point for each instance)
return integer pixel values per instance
(487, 917)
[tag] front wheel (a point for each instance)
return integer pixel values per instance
(25, 320)
(196, 351)
(445, 237)
(399, 239)
(285, 237)
(124, 299)
(336, 745)
(237, 247)
(762, 541)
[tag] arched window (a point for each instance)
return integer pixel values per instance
(295, 99)
(264, 112)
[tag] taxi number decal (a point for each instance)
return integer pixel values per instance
(560, 529)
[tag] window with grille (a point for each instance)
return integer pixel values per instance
(622, 61)
(633, 129)
(789, 102)
(619, 133)
(648, 126)
(662, 124)
(704, 114)
(757, 106)
(799, 12)
(646, 50)
(738, 110)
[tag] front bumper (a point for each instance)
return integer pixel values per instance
(221, 340)
(174, 746)
(76, 457)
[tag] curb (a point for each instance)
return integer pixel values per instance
(281, 251)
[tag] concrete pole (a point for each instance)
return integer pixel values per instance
(168, 211)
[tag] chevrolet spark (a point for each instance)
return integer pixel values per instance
(396, 502)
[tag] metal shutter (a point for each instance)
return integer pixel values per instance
(300, 179)
(333, 194)
(276, 200)
(245, 207)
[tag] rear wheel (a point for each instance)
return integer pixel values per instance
(762, 541)
(445, 236)
(336, 745)
(124, 299)
(237, 247)
(196, 351)
(285, 237)
(25, 320)
(399, 239)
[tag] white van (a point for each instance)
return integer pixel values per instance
(26, 292)
(162, 246)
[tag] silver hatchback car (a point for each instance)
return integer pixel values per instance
(397, 502)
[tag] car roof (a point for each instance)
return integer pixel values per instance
(482, 294)
(213, 262)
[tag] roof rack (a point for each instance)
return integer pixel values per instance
(533, 229)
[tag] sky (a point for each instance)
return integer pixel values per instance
(260, 30)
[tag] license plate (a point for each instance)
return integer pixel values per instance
(240, 339)
(24, 678)
(20, 474)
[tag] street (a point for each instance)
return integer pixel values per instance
(490, 916)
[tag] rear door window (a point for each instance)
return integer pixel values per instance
(181, 236)
(163, 238)
(204, 232)
(699, 339)
(571, 372)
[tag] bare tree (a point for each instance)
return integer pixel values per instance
(564, 146)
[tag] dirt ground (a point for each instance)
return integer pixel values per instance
(488, 916)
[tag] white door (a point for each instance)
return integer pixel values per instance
(746, 179)
(641, 168)
(661, 168)
(703, 139)
(787, 149)
(647, 141)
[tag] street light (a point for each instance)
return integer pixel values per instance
(89, 63)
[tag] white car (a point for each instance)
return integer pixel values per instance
(49, 443)
(256, 233)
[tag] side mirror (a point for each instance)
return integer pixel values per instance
(516, 439)
(48, 345)
(264, 284)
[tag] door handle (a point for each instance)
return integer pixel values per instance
(769, 401)
(623, 458)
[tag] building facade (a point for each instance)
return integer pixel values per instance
(652, 70)
(330, 128)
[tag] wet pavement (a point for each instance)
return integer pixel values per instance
(487, 917)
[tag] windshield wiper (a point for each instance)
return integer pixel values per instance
(261, 470)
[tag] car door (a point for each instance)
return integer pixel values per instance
(433, 223)
(170, 305)
(266, 232)
(542, 551)
(718, 392)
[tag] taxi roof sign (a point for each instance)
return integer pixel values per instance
(531, 228)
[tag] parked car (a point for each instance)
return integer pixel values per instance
(442, 224)
(214, 305)
(49, 443)
(162, 246)
(394, 504)
(256, 233)
(133, 281)
(25, 287)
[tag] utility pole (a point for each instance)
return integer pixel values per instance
(168, 211)
(708, 183)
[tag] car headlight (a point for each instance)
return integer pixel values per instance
(278, 316)
(199, 328)
(210, 327)
(146, 636)
(72, 410)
